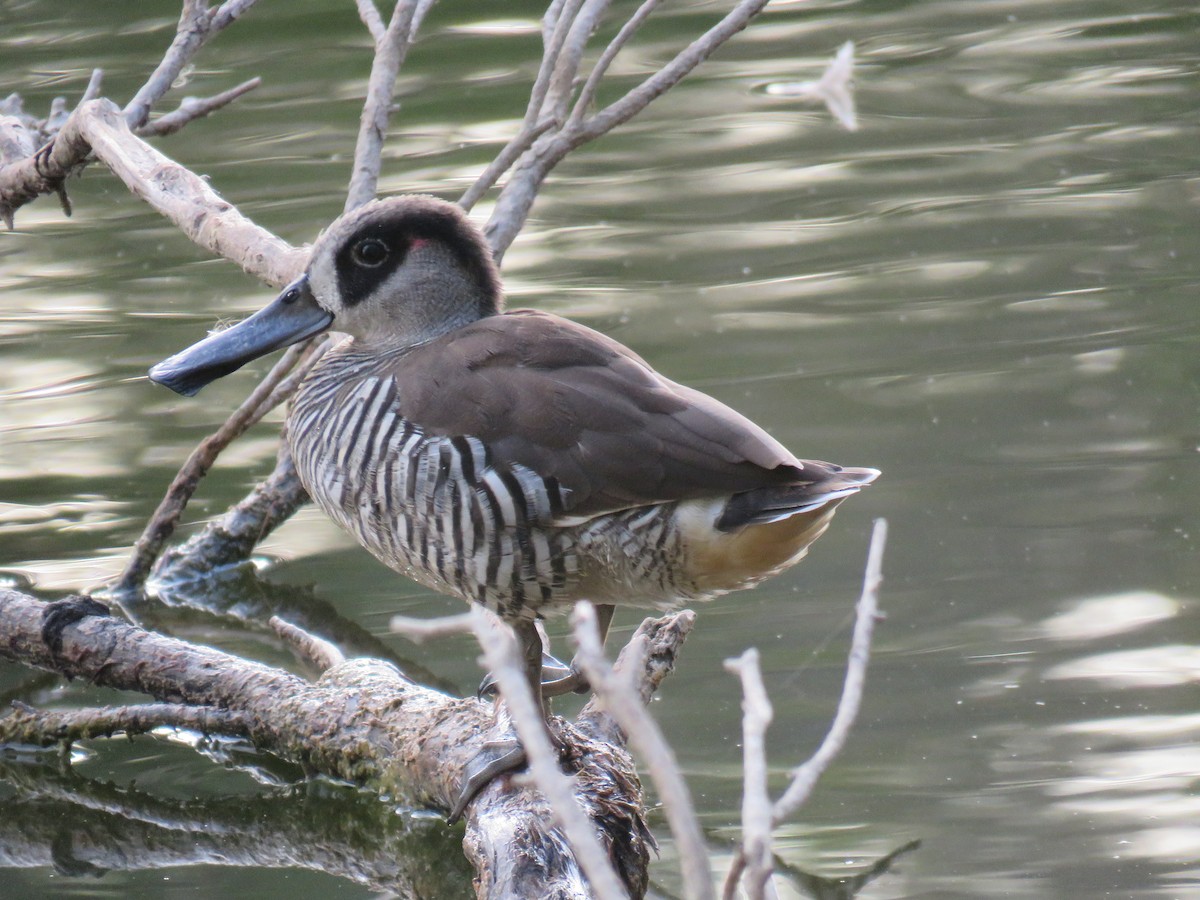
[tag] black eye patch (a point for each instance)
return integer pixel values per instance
(368, 259)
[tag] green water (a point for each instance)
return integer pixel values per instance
(988, 291)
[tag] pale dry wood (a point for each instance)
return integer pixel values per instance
(197, 25)
(420, 630)
(620, 698)
(192, 108)
(390, 50)
(756, 801)
(535, 164)
(804, 777)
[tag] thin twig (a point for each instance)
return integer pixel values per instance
(311, 352)
(309, 647)
(162, 524)
(673, 72)
(516, 199)
(588, 92)
(197, 25)
(369, 13)
(192, 108)
(556, 26)
(804, 778)
(566, 68)
(420, 630)
(512, 151)
(619, 695)
(390, 50)
(231, 538)
(28, 725)
(504, 661)
(756, 802)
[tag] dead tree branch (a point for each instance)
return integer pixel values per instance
(38, 727)
(804, 778)
(192, 108)
(559, 69)
(360, 722)
(197, 25)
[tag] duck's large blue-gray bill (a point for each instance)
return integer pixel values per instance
(290, 317)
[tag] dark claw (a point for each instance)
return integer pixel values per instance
(486, 766)
(554, 672)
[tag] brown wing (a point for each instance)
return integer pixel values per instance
(569, 403)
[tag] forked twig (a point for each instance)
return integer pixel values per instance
(192, 108)
(805, 776)
(197, 25)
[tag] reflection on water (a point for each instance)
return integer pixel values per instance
(988, 291)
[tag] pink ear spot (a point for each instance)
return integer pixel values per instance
(417, 242)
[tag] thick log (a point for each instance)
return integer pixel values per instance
(361, 722)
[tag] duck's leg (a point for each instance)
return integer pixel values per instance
(574, 681)
(558, 677)
(499, 757)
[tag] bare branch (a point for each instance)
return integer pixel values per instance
(588, 93)
(512, 151)
(197, 24)
(516, 199)
(504, 660)
(421, 630)
(805, 777)
(177, 193)
(556, 26)
(756, 802)
(310, 648)
(28, 725)
(620, 698)
(648, 658)
(390, 50)
(231, 538)
(674, 71)
(192, 108)
(566, 67)
(162, 524)
(92, 91)
(369, 13)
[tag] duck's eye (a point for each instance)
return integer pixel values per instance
(370, 252)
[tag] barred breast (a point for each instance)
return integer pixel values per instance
(438, 509)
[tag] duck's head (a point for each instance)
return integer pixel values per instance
(392, 273)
